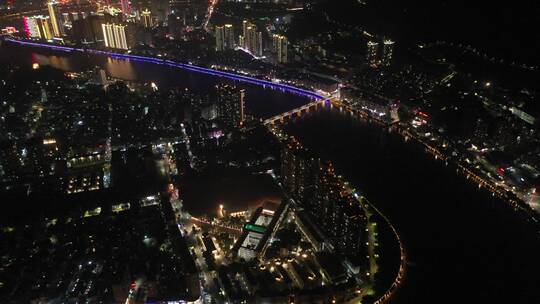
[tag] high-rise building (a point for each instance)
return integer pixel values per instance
(66, 18)
(220, 38)
(275, 42)
(280, 48)
(241, 41)
(38, 27)
(245, 24)
(117, 36)
(289, 156)
(248, 37)
(224, 37)
(250, 31)
(372, 53)
(354, 230)
(338, 214)
(82, 31)
(349, 223)
(327, 192)
(251, 39)
(54, 15)
(146, 18)
(387, 52)
(89, 29)
(76, 16)
(315, 186)
(299, 171)
(230, 105)
(103, 77)
(256, 47)
(44, 26)
(229, 36)
(30, 27)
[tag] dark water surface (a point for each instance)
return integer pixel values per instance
(463, 245)
(260, 102)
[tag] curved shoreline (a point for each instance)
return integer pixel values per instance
(520, 210)
(400, 275)
(402, 265)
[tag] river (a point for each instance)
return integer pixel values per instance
(260, 102)
(463, 245)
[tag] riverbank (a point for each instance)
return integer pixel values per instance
(463, 168)
(454, 234)
(386, 267)
(186, 66)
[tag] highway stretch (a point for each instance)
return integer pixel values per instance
(185, 66)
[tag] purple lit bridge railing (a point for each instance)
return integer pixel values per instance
(190, 67)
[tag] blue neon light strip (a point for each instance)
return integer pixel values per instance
(185, 66)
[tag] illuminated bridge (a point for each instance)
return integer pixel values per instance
(297, 112)
(190, 67)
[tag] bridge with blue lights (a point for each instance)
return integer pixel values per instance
(185, 66)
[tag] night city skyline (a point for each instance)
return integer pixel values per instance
(269, 151)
